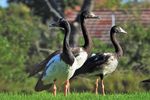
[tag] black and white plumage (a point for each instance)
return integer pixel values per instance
(101, 64)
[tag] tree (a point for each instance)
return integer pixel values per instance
(108, 4)
(57, 9)
(18, 32)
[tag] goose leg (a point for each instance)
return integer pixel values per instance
(54, 88)
(66, 87)
(102, 87)
(96, 86)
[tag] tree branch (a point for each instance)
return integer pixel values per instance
(54, 10)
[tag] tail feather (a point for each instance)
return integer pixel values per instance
(41, 87)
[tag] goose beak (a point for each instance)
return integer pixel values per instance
(93, 16)
(123, 31)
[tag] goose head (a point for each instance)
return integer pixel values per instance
(86, 14)
(118, 29)
(61, 23)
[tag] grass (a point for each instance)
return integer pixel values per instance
(74, 96)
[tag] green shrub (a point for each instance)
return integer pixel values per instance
(18, 31)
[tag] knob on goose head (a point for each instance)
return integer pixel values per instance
(118, 29)
(88, 14)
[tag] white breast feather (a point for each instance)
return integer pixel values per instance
(81, 58)
(59, 70)
(111, 65)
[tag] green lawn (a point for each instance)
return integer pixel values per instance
(74, 96)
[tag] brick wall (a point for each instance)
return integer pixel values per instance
(100, 28)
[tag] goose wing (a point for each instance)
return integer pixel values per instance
(39, 67)
(91, 64)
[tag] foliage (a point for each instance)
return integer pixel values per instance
(131, 4)
(124, 81)
(18, 32)
(71, 3)
(40, 8)
(108, 4)
(117, 4)
(137, 45)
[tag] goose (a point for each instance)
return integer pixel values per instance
(61, 66)
(101, 64)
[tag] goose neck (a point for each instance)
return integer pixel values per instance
(87, 39)
(116, 44)
(66, 45)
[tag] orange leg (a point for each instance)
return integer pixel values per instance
(68, 90)
(66, 87)
(96, 86)
(54, 88)
(102, 87)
